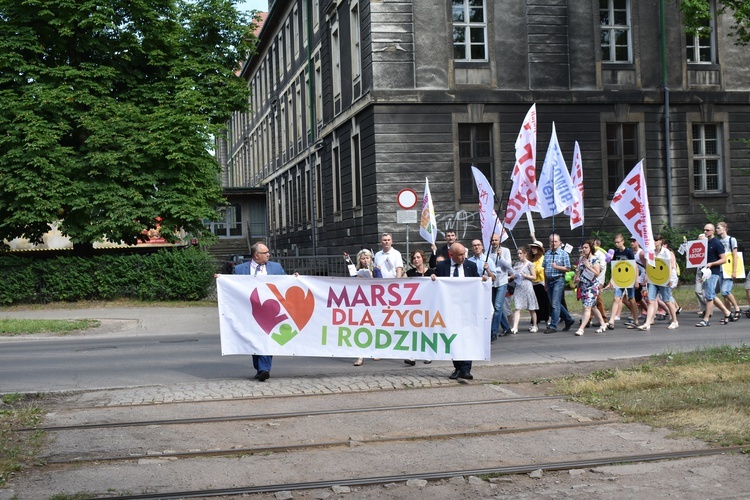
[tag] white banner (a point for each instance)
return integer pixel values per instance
(428, 224)
(487, 215)
(630, 203)
(555, 191)
(522, 196)
(449, 318)
(575, 211)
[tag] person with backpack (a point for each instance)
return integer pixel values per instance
(730, 249)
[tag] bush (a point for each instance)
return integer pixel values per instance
(170, 274)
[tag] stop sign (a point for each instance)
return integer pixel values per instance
(696, 253)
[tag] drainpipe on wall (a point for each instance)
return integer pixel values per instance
(312, 135)
(667, 142)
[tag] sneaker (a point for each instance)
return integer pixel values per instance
(673, 325)
(533, 329)
(617, 318)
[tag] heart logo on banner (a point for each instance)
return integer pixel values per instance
(284, 335)
(299, 306)
(267, 314)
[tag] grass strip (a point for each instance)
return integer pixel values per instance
(12, 327)
(703, 394)
(18, 450)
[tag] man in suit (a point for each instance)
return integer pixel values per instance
(458, 267)
(259, 265)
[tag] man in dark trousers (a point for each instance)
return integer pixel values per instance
(259, 265)
(458, 267)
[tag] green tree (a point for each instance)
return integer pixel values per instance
(697, 13)
(108, 110)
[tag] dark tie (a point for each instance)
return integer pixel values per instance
(257, 270)
(455, 271)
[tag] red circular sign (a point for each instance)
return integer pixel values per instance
(696, 253)
(407, 198)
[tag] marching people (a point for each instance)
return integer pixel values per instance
(587, 281)
(388, 259)
(365, 262)
(730, 249)
(260, 265)
(602, 277)
(556, 264)
(458, 267)
(500, 257)
(715, 258)
(536, 256)
(655, 290)
(622, 295)
(699, 287)
(523, 296)
(419, 269)
(442, 252)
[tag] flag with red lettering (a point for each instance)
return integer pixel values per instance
(428, 224)
(575, 211)
(523, 192)
(487, 215)
(630, 203)
(555, 191)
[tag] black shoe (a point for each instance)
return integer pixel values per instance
(466, 376)
(410, 362)
(506, 332)
(493, 338)
(454, 375)
(262, 375)
(568, 324)
(550, 330)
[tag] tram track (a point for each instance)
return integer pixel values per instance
(379, 480)
(282, 415)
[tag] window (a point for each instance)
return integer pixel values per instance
(318, 93)
(336, 67)
(707, 164)
(315, 14)
(622, 153)
(318, 188)
(469, 30)
(288, 44)
(231, 223)
(356, 172)
(336, 176)
(700, 46)
(295, 32)
(474, 149)
(356, 43)
(614, 17)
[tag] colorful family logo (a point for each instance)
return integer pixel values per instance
(295, 305)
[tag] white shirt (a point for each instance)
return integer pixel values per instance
(257, 270)
(389, 262)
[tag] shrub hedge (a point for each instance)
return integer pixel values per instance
(179, 274)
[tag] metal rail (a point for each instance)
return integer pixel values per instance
(329, 444)
(514, 469)
(268, 416)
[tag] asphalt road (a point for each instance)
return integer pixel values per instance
(163, 346)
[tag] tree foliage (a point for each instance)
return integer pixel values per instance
(108, 110)
(697, 13)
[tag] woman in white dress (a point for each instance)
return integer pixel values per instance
(524, 297)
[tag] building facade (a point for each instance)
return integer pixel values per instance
(354, 100)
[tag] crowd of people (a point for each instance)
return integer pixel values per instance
(536, 282)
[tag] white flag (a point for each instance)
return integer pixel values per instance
(630, 203)
(575, 211)
(555, 191)
(428, 224)
(487, 214)
(523, 192)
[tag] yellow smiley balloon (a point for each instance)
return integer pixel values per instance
(623, 273)
(659, 274)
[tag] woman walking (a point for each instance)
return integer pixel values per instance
(536, 257)
(524, 297)
(588, 286)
